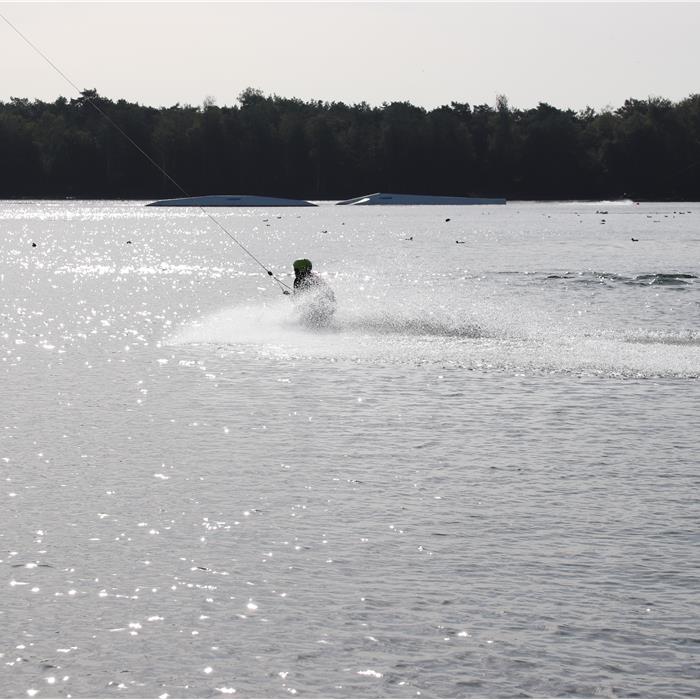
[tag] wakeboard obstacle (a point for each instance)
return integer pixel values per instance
(383, 198)
(231, 200)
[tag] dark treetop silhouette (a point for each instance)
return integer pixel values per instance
(275, 146)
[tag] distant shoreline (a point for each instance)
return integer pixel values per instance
(645, 150)
(610, 200)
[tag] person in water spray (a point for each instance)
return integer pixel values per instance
(304, 278)
(313, 296)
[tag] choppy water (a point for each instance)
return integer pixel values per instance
(480, 481)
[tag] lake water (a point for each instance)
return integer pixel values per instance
(481, 480)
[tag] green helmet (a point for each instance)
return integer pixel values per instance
(302, 265)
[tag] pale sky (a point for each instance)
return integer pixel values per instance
(161, 53)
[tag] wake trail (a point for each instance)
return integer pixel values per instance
(495, 339)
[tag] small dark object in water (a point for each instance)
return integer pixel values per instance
(446, 220)
(33, 244)
(636, 240)
(128, 242)
(460, 241)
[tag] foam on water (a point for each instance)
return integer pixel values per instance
(606, 202)
(667, 279)
(492, 337)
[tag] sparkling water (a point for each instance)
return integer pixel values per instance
(479, 480)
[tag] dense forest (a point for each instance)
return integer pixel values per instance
(270, 145)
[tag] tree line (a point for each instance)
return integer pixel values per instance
(277, 146)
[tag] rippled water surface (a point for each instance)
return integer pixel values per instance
(480, 480)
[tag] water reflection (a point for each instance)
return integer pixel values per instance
(480, 483)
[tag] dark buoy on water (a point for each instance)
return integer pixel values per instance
(33, 244)
(636, 240)
(446, 220)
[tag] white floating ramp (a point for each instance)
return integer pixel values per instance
(231, 200)
(407, 199)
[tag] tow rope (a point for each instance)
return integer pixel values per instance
(282, 285)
